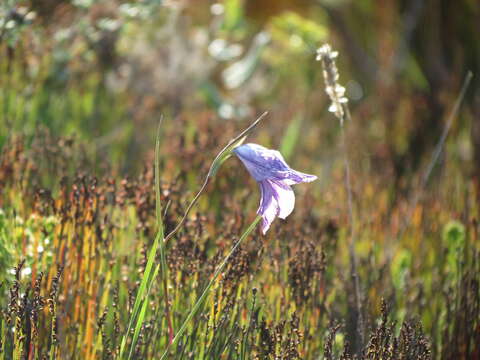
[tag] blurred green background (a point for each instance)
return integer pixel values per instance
(103, 73)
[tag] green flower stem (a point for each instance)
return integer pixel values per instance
(202, 297)
(223, 155)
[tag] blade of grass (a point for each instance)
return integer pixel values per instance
(141, 316)
(163, 261)
(435, 155)
(140, 294)
(147, 279)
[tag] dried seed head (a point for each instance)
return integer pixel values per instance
(334, 90)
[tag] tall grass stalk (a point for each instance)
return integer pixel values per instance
(339, 107)
(138, 313)
(351, 245)
(436, 152)
(163, 261)
(425, 177)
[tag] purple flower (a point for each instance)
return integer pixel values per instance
(274, 177)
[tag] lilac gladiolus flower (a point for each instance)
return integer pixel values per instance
(274, 177)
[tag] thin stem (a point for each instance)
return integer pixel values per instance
(193, 202)
(211, 171)
(436, 153)
(163, 260)
(351, 220)
(205, 292)
(446, 130)
(336, 94)
(234, 140)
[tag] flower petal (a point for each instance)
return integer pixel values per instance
(297, 177)
(269, 208)
(263, 163)
(285, 198)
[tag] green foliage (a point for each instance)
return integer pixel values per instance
(6, 248)
(240, 71)
(234, 16)
(291, 138)
(453, 237)
(36, 232)
(298, 33)
(400, 268)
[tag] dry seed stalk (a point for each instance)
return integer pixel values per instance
(336, 93)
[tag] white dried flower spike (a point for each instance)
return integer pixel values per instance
(326, 50)
(334, 90)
